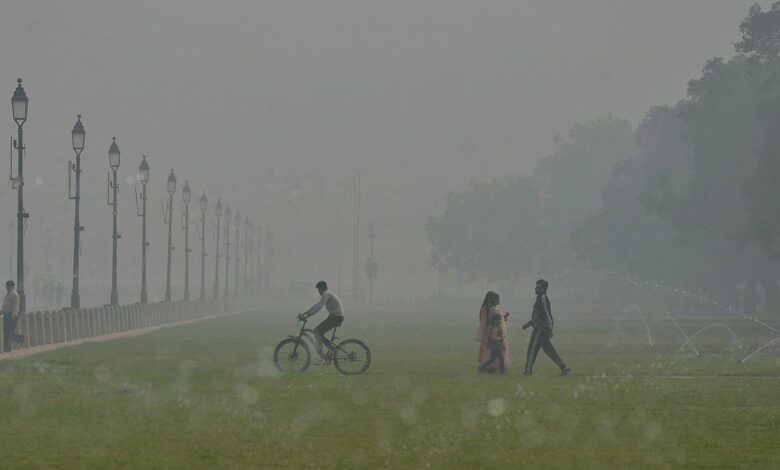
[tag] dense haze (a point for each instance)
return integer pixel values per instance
(274, 106)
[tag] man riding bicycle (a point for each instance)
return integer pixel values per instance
(335, 313)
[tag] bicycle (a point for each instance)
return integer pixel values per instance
(293, 354)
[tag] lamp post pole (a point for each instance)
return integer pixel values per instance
(113, 160)
(204, 204)
(250, 237)
(238, 246)
(143, 175)
(247, 231)
(258, 280)
(228, 214)
(171, 190)
(186, 197)
(19, 104)
(77, 136)
(218, 210)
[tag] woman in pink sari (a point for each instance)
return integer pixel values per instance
(491, 307)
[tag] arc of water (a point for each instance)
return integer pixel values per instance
(657, 302)
(644, 320)
(757, 350)
(715, 325)
(696, 297)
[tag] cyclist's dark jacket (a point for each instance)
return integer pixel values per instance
(541, 318)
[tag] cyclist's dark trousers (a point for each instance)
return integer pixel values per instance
(328, 324)
(495, 353)
(540, 339)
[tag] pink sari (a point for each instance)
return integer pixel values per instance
(484, 331)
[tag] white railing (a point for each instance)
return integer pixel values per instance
(62, 326)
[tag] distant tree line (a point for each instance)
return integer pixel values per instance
(690, 197)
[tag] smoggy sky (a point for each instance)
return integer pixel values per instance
(274, 105)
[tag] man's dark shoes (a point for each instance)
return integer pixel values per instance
(566, 371)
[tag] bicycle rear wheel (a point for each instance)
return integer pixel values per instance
(352, 357)
(292, 355)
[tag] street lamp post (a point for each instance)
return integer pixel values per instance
(238, 245)
(247, 231)
(113, 161)
(258, 280)
(143, 177)
(218, 211)
(204, 204)
(228, 214)
(250, 239)
(19, 105)
(171, 189)
(78, 137)
(186, 198)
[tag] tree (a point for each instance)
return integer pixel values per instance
(506, 229)
(574, 175)
(761, 33)
(627, 235)
(494, 231)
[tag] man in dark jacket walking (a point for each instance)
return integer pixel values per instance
(542, 323)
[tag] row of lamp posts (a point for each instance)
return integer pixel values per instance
(20, 102)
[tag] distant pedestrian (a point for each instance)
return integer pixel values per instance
(10, 312)
(542, 323)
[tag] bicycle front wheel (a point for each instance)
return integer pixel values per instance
(292, 355)
(352, 357)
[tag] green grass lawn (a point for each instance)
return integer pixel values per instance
(207, 396)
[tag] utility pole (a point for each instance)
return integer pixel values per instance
(259, 262)
(269, 268)
(228, 215)
(356, 239)
(238, 246)
(247, 231)
(372, 267)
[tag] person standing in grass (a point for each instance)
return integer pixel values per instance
(10, 312)
(542, 322)
(490, 309)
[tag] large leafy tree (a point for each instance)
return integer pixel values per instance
(625, 235)
(691, 197)
(709, 169)
(507, 229)
(574, 174)
(761, 33)
(493, 231)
